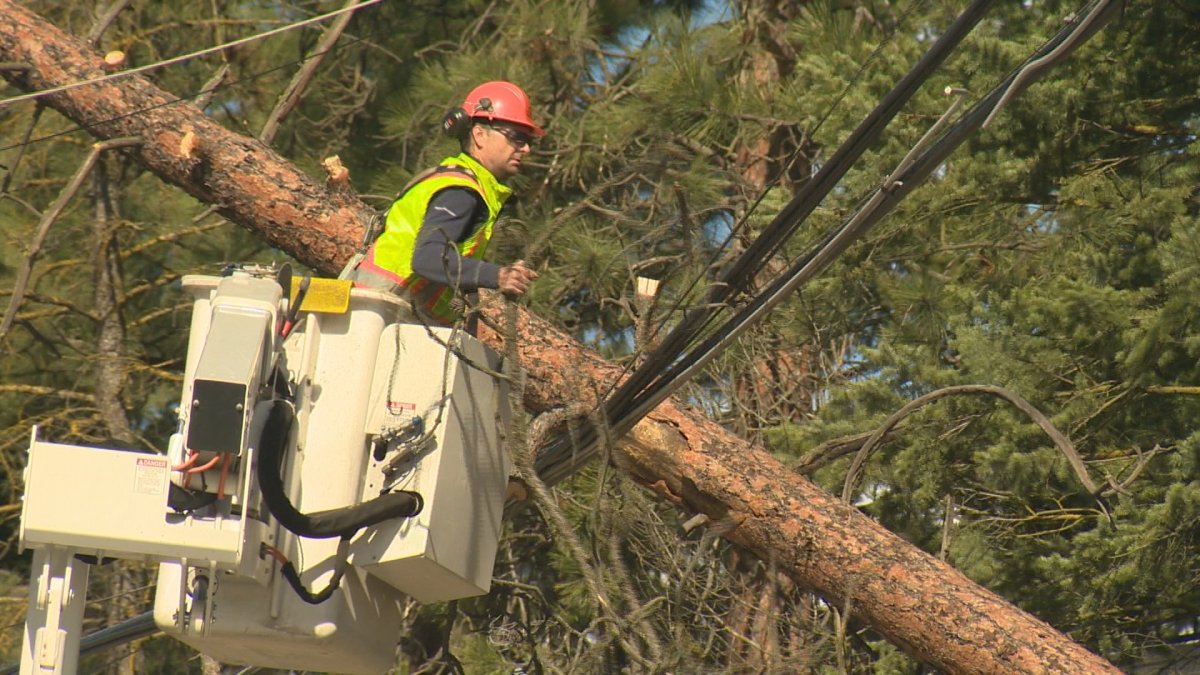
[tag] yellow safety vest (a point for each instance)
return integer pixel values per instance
(390, 256)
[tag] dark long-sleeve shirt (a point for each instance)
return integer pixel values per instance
(452, 216)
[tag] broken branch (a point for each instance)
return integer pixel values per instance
(1064, 444)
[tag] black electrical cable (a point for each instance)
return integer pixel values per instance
(663, 377)
(342, 522)
(185, 500)
(739, 275)
(885, 198)
(741, 223)
(341, 564)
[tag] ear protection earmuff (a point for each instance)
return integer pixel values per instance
(456, 123)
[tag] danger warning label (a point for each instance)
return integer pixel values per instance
(150, 476)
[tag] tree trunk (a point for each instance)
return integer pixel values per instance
(918, 602)
(111, 359)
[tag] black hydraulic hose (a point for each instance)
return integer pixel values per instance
(806, 200)
(342, 522)
(339, 570)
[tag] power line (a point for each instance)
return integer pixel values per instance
(739, 225)
(184, 57)
(738, 276)
(670, 366)
(912, 171)
(224, 85)
(672, 362)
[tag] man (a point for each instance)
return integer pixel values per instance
(438, 229)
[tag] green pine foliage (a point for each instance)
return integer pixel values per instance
(1052, 258)
(1056, 254)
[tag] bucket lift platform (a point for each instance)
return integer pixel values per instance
(347, 404)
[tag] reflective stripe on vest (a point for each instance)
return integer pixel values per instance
(390, 256)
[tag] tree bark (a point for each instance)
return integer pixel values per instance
(918, 602)
(111, 360)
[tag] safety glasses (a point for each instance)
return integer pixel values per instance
(517, 137)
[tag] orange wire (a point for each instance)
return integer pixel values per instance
(187, 463)
(275, 553)
(224, 473)
(208, 465)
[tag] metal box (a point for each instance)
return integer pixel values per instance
(461, 470)
(113, 503)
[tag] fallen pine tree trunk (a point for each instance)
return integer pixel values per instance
(918, 602)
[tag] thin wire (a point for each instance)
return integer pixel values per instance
(185, 57)
(1033, 67)
(225, 85)
(122, 594)
(875, 52)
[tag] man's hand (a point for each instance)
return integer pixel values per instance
(515, 278)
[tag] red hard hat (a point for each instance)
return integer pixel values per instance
(503, 101)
